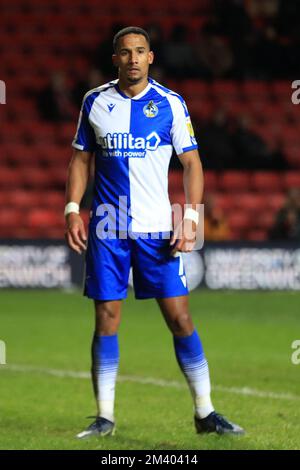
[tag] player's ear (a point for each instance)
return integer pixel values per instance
(151, 57)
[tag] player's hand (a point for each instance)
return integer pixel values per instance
(75, 232)
(184, 237)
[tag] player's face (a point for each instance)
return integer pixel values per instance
(133, 58)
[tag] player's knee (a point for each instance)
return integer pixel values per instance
(182, 324)
(109, 314)
(107, 319)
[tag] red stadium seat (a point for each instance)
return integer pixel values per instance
(234, 181)
(11, 133)
(175, 181)
(290, 112)
(40, 132)
(56, 155)
(58, 177)
(195, 89)
(10, 178)
(5, 160)
(9, 217)
(250, 202)
(46, 223)
(291, 179)
(28, 107)
(266, 181)
(34, 177)
(226, 94)
(292, 154)
(65, 133)
(200, 110)
(257, 235)
(239, 221)
(55, 200)
(21, 199)
(269, 132)
(224, 201)
(256, 88)
(210, 181)
(237, 235)
(281, 89)
(22, 154)
(232, 108)
(226, 88)
(85, 215)
(275, 201)
(264, 220)
(177, 198)
(45, 219)
(267, 112)
(290, 135)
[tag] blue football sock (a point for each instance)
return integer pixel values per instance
(191, 359)
(105, 362)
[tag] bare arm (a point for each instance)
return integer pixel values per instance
(193, 182)
(192, 177)
(77, 179)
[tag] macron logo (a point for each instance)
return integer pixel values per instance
(111, 107)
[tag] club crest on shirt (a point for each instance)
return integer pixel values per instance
(150, 110)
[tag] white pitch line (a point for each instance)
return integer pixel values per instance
(149, 380)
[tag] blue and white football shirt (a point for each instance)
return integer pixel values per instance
(133, 139)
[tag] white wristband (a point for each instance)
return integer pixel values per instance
(71, 207)
(191, 214)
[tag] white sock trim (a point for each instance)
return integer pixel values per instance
(203, 406)
(106, 409)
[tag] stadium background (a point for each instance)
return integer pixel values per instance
(234, 62)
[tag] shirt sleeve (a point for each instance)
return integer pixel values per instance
(85, 136)
(182, 132)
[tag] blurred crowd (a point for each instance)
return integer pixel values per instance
(224, 142)
(238, 40)
(287, 222)
(231, 143)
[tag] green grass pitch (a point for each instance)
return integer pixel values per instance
(247, 338)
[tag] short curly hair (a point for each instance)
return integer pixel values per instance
(129, 30)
